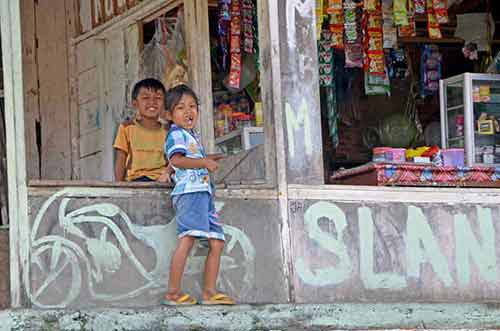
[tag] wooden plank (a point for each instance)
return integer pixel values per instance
(85, 15)
(73, 30)
(115, 87)
(10, 21)
(393, 194)
(91, 166)
(121, 6)
(91, 143)
(97, 13)
(136, 14)
(54, 90)
(85, 55)
(132, 62)
(200, 73)
(31, 92)
(89, 118)
(266, 85)
(4, 217)
(87, 86)
(109, 9)
(272, 22)
(300, 92)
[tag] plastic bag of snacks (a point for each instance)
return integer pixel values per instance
(430, 70)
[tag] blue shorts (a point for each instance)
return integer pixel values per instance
(196, 216)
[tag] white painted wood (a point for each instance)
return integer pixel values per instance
(88, 117)
(99, 143)
(10, 20)
(91, 166)
(52, 58)
(115, 87)
(91, 143)
(135, 14)
(132, 56)
(200, 71)
(72, 31)
(87, 86)
(266, 83)
(274, 41)
(111, 190)
(85, 15)
(393, 194)
(86, 55)
(31, 91)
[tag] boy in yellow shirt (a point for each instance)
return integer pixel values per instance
(139, 145)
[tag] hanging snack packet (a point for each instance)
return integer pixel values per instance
(430, 70)
(235, 71)
(334, 6)
(353, 34)
(247, 11)
(325, 60)
(419, 6)
(377, 84)
(319, 17)
(336, 26)
(353, 56)
(372, 5)
(410, 30)
(400, 12)
(389, 30)
(440, 10)
(433, 26)
(235, 46)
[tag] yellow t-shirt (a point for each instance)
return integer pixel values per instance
(144, 148)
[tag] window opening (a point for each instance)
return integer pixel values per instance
(234, 52)
(379, 73)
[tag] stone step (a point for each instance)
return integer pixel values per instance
(283, 317)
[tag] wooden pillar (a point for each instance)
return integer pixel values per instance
(10, 18)
(200, 73)
(300, 92)
(52, 58)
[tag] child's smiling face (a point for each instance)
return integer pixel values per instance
(185, 112)
(150, 103)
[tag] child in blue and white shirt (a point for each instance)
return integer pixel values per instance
(192, 198)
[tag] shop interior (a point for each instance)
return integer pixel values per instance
(383, 119)
(237, 107)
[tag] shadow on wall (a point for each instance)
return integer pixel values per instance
(4, 268)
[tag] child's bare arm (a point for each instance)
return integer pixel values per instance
(216, 157)
(120, 165)
(180, 161)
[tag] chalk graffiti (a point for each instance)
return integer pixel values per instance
(420, 247)
(295, 121)
(77, 256)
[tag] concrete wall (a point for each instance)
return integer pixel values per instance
(111, 247)
(395, 252)
(101, 247)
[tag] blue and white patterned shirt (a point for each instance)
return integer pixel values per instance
(186, 143)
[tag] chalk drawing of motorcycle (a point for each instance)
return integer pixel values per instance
(63, 263)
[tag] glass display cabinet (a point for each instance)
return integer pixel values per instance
(470, 116)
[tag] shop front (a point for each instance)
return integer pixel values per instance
(296, 233)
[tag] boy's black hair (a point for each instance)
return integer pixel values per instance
(175, 94)
(148, 83)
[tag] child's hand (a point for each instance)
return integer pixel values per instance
(210, 164)
(166, 176)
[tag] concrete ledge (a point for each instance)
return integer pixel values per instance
(265, 317)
